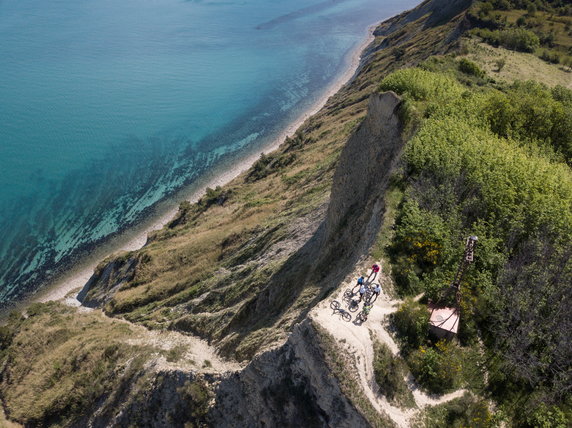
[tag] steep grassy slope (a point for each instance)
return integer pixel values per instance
(60, 362)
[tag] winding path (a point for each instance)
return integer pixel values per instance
(358, 340)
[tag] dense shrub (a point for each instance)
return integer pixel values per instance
(529, 111)
(268, 164)
(551, 57)
(466, 411)
(469, 67)
(390, 372)
(562, 94)
(216, 196)
(436, 368)
(547, 417)
(521, 191)
(518, 39)
(410, 322)
(421, 238)
(421, 84)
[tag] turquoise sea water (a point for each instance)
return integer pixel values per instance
(107, 106)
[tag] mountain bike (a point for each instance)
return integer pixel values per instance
(362, 316)
(336, 306)
(353, 305)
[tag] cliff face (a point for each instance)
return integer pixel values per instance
(288, 386)
(351, 221)
(106, 281)
(361, 179)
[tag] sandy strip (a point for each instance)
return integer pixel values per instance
(136, 236)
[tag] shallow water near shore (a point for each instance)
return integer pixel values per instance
(108, 107)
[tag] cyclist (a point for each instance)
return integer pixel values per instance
(366, 310)
(374, 270)
(360, 283)
(362, 291)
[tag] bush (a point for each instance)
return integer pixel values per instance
(268, 164)
(469, 67)
(438, 368)
(547, 417)
(562, 94)
(500, 63)
(518, 39)
(466, 411)
(551, 57)
(390, 375)
(481, 163)
(411, 322)
(421, 244)
(421, 84)
(198, 395)
(398, 52)
(217, 196)
(432, 370)
(529, 111)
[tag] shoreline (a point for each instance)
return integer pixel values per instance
(135, 237)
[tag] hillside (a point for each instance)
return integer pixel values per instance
(223, 318)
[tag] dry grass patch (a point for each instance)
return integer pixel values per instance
(518, 65)
(60, 362)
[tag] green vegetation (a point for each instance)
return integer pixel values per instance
(410, 322)
(421, 85)
(487, 158)
(517, 39)
(488, 162)
(390, 372)
(541, 27)
(439, 366)
(198, 395)
(205, 271)
(466, 411)
(469, 67)
(268, 164)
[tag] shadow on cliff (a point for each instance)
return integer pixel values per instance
(353, 218)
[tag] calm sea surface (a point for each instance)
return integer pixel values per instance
(108, 106)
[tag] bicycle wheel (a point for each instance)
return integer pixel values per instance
(348, 294)
(335, 305)
(346, 316)
(354, 306)
(368, 296)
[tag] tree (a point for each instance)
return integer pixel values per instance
(500, 63)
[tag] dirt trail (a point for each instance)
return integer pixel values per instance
(189, 352)
(186, 352)
(358, 339)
